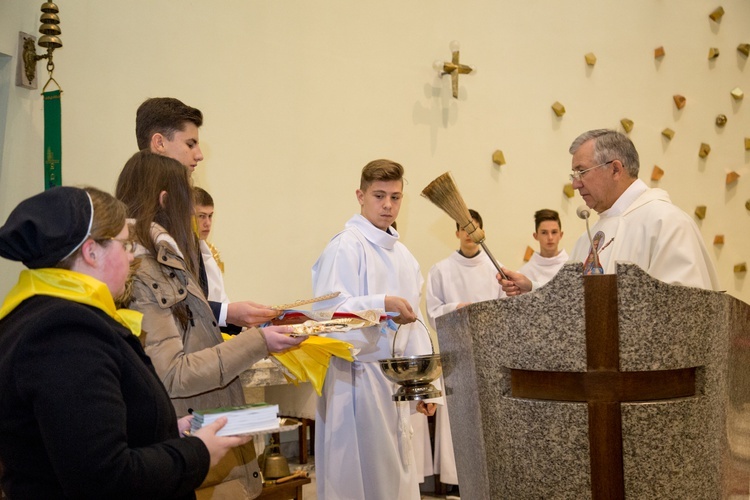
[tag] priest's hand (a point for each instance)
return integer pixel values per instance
(516, 284)
(426, 408)
(278, 339)
(402, 307)
(248, 313)
(218, 446)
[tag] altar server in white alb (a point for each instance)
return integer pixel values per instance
(544, 264)
(465, 277)
(204, 217)
(363, 446)
(636, 223)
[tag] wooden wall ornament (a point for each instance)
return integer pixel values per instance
(747, 205)
(747, 143)
(590, 59)
(570, 192)
(627, 124)
(659, 52)
(453, 68)
(679, 101)
(732, 177)
(558, 108)
(717, 14)
(744, 49)
(740, 268)
(704, 150)
(528, 254)
(737, 94)
(498, 158)
(713, 53)
(668, 133)
(719, 239)
(700, 211)
(657, 173)
(721, 120)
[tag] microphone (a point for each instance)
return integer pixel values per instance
(584, 213)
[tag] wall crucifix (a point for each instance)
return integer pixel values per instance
(453, 68)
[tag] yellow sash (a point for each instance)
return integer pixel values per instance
(73, 286)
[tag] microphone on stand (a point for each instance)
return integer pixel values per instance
(584, 213)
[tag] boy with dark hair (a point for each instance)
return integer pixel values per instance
(169, 127)
(544, 264)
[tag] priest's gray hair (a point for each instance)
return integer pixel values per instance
(610, 145)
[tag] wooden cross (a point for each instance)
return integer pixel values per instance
(455, 68)
(603, 386)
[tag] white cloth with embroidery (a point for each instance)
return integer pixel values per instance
(651, 232)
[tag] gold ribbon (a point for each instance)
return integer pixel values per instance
(73, 286)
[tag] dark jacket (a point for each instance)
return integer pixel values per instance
(82, 412)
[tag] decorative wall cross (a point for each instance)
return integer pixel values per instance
(453, 68)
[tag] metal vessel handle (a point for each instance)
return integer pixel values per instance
(393, 345)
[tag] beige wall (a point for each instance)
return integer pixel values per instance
(298, 96)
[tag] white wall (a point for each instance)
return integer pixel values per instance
(299, 95)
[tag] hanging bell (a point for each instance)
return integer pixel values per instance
(49, 18)
(50, 8)
(49, 29)
(49, 42)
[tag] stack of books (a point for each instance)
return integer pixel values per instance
(246, 419)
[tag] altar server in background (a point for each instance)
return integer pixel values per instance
(465, 277)
(545, 263)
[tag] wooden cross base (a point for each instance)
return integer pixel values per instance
(603, 386)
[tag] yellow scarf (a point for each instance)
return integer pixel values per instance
(73, 286)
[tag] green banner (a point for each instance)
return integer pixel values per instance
(52, 140)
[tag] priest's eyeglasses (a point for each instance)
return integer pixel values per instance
(577, 175)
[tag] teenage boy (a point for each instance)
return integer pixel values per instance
(363, 445)
(169, 127)
(545, 263)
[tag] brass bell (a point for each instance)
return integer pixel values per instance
(274, 464)
(48, 41)
(49, 18)
(50, 8)
(50, 29)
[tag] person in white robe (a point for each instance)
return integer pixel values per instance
(204, 215)
(465, 277)
(544, 264)
(363, 445)
(636, 223)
